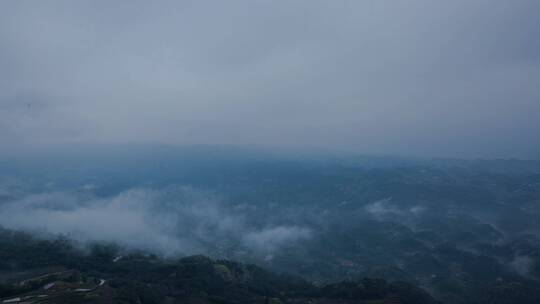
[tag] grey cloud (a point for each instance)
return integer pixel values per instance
(453, 78)
(522, 265)
(382, 208)
(271, 239)
(180, 220)
(125, 219)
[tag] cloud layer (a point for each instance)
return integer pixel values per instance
(452, 78)
(173, 221)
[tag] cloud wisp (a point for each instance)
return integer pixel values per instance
(178, 221)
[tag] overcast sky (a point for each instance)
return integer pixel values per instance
(456, 78)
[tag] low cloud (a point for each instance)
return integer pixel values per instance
(271, 239)
(522, 265)
(384, 209)
(180, 220)
(381, 208)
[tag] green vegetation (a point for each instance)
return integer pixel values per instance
(141, 278)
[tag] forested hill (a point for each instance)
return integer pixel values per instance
(54, 271)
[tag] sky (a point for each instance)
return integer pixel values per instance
(430, 78)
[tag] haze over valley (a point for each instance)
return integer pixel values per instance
(270, 152)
